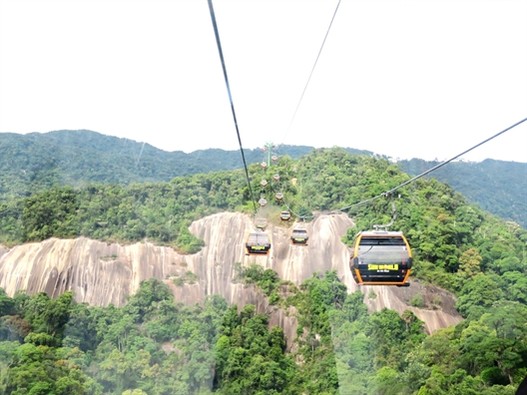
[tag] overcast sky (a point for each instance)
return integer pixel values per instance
(422, 78)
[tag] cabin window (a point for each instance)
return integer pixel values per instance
(392, 250)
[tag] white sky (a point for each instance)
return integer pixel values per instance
(422, 78)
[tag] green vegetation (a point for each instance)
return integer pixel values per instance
(186, 278)
(155, 346)
(34, 162)
(496, 186)
(266, 279)
(160, 212)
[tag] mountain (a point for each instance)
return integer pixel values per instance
(129, 287)
(35, 161)
(101, 274)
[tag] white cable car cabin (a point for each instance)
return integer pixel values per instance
(258, 243)
(285, 215)
(299, 236)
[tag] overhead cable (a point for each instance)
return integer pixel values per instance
(220, 51)
(391, 191)
(454, 157)
(313, 68)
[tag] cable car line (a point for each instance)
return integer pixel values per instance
(312, 70)
(386, 226)
(388, 193)
(455, 157)
(390, 263)
(391, 191)
(284, 203)
(380, 257)
(224, 68)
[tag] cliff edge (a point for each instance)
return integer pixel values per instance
(100, 274)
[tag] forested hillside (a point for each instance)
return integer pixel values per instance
(35, 161)
(155, 346)
(32, 162)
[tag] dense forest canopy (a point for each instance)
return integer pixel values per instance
(153, 345)
(36, 161)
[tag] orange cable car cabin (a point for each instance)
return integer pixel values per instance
(381, 258)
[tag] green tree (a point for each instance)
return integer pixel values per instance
(51, 213)
(7, 304)
(250, 358)
(146, 300)
(478, 294)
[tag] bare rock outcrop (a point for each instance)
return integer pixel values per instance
(101, 273)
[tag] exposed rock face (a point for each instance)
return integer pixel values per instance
(100, 274)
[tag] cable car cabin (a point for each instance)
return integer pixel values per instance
(260, 223)
(258, 243)
(299, 236)
(285, 215)
(381, 258)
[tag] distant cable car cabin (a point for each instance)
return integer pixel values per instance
(381, 258)
(258, 243)
(285, 215)
(299, 236)
(260, 222)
